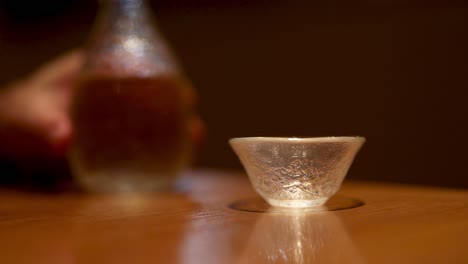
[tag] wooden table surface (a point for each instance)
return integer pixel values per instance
(217, 218)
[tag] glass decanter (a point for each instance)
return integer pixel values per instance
(129, 112)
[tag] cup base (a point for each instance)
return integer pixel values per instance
(297, 203)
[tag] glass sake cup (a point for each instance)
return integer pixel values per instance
(296, 172)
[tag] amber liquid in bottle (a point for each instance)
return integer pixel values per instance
(130, 134)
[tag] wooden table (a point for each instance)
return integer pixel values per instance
(219, 219)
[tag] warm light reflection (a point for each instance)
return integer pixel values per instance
(299, 237)
(273, 236)
(135, 45)
(132, 203)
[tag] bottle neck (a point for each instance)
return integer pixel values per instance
(124, 16)
(125, 8)
(126, 41)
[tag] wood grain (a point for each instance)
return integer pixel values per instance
(396, 224)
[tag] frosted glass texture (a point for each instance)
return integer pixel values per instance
(296, 172)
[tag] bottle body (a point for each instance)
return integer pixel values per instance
(128, 110)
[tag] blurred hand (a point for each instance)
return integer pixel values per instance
(34, 111)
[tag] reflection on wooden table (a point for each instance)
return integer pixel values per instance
(300, 238)
(217, 218)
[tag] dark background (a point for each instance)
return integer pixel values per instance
(393, 71)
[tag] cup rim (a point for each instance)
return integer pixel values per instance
(300, 139)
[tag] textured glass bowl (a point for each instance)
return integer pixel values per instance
(296, 172)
